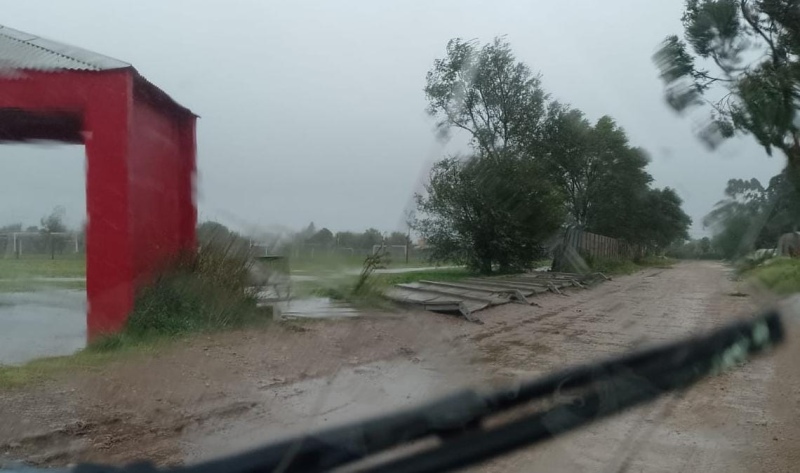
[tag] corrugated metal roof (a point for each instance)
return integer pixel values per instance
(20, 50)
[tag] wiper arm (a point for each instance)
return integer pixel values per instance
(602, 389)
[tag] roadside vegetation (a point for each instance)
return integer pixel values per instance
(781, 276)
(536, 165)
(204, 291)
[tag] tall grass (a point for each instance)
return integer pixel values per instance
(782, 276)
(203, 291)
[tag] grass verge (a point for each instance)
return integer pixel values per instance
(782, 276)
(85, 360)
(204, 291)
(370, 293)
(625, 266)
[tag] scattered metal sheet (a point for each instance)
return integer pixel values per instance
(470, 295)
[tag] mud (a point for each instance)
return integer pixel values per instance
(215, 395)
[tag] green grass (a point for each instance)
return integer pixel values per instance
(28, 285)
(41, 266)
(370, 296)
(619, 267)
(325, 262)
(782, 276)
(445, 274)
(87, 359)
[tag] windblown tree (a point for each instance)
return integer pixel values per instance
(487, 93)
(53, 228)
(495, 208)
(601, 175)
(662, 220)
(753, 216)
(534, 162)
(739, 61)
(488, 213)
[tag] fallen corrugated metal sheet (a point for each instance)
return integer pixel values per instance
(471, 295)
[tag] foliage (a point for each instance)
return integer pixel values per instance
(323, 238)
(486, 92)
(53, 224)
(753, 216)
(599, 172)
(534, 162)
(661, 220)
(377, 260)
(693, 249)
(206, 290)
(782, 276)
(488, 211)
(746, 50)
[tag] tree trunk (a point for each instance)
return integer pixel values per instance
(485, 266)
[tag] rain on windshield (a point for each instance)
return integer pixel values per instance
(226, 225)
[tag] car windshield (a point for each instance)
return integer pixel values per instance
(227, 225)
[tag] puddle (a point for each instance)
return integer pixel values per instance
(315, 308)
(352, 394)
(42, 323)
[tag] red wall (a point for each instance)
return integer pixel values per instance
(154, 184)
(140, 170)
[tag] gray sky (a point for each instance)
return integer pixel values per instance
(314, 111)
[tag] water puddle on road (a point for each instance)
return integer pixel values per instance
(283, 410)
(42, 323)
(314, 308)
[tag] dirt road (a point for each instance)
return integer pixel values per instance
(210, 396)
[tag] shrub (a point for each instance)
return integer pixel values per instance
(206, 290)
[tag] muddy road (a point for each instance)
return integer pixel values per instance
(214, 395)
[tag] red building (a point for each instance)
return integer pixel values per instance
(140, 159)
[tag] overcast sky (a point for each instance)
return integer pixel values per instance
(314, 111)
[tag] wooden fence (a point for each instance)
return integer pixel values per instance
(599, 245)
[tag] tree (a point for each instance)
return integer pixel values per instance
(323, 238)
(662, 221)
(486, 92)
(486, 212)
(704, 245)
(747, 51)
(370, 238)
(398, 238)
(599, 172)
(307, 232)
(495, 208)
(52, 225)
(753, 216)
(346, 240)
(210, 231)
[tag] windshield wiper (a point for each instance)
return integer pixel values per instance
(595, 391)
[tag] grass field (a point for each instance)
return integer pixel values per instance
(338, 262)
(41, 266)
(39, 272)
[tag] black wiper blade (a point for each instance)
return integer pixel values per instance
(603, 388)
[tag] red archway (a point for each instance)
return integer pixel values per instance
(140, 153)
